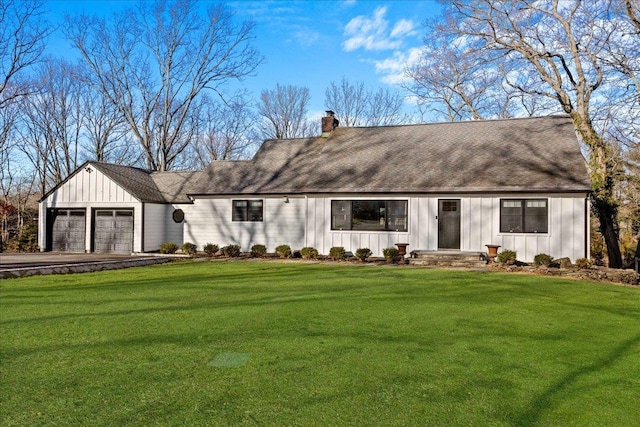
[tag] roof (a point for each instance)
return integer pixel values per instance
(512, 155)
(146, 185)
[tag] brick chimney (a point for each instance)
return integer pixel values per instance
(329, 123)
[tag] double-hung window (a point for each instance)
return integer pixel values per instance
(524, 215)
(369, 215)
(247, 210)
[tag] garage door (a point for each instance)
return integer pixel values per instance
(113, 231)
(67, 230)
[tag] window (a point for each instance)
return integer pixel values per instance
(523, 216)
(178, 215)
(369, 215)
(247, 210)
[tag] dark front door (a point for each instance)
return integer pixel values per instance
(449, 224)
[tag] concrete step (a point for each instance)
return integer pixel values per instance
(448, 258)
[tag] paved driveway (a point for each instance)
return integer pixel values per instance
(54, 258)
(27, 264)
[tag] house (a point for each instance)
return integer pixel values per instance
(518, 183)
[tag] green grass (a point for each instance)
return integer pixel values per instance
(260, 343)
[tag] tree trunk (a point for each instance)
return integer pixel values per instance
(606, 213)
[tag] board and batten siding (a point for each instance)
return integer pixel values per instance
(568, 234)
(208, 220)
(89, 191)
(174, 231)
(156, 216)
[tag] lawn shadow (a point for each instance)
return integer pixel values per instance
(547, 400)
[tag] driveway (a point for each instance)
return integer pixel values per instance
(28, 264)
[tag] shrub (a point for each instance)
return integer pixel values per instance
(391, 254)
(210, 249)
(232, 251)
(283, 251)
(363, 253)
(337, 253)
(189, 248)
(543, 259)
(507, 257)
(309, 253)
(168, 248)
(258, 251)
(584, 263)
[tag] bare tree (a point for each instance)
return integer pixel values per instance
(154, 62)
(553, 50)
(633, 10)
(356, 105)
(106, 134)
(51, 122)
(226, 131)
(456, 81)
(23, 31)
(348, 101)
(284, 112)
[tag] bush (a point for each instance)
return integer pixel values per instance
(584, 263)
(309, 253)
(283, 251)
(337, 253)
(543, 259)
(363, 253)
(391, 254)
(507, 257)
(210, 249)
(189, 248)
(168, 248)
(232, 251)
(258, 251)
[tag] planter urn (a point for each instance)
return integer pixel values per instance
(493, 252)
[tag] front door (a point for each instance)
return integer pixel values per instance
(449, 224)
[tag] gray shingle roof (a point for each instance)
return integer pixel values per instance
(151, 186)
(533, 154)
(174, 186)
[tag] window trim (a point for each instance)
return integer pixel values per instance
(245, 214)
(388, 215)
(522, 215)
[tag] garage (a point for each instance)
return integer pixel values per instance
(67, 230)
(113, 231)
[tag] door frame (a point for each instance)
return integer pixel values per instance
(50, 216)
(94, 215)
(442, 217)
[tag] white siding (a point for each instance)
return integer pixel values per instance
(479, 223)
(155, 218)
(174, 231)
(208, 220)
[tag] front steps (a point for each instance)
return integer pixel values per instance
(445, 258)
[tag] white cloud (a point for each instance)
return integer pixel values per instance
(393, 68)
(305, 36)
(403, 27)
(372, 32)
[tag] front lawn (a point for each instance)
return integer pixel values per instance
(268, 343)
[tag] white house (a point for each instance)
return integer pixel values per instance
(518, 183)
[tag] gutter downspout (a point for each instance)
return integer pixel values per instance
(306, 219)
(142, 232)
(587, 227)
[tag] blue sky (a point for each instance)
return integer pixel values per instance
(311, 43)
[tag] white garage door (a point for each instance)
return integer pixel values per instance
(113, 231)
(68, 230)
